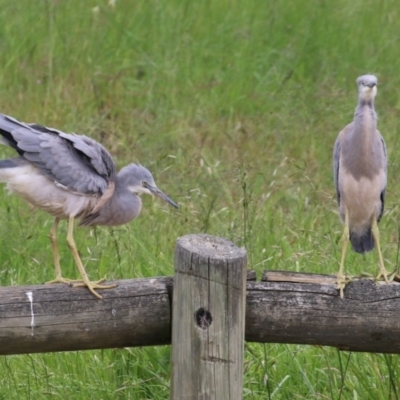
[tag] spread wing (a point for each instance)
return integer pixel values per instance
(76, 163)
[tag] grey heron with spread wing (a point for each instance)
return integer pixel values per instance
(72, 176)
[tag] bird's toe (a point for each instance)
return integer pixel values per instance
(384, 274)
(341, 282)
(93, 286)
(60, 279)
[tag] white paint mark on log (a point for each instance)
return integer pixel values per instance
(30, 298)
(114, 313)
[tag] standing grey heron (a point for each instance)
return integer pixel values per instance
(360, 175)
(72, 176)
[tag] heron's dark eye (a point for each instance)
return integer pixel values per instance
(144, 184)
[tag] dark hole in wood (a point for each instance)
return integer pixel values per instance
(377, 336)
(203, 318)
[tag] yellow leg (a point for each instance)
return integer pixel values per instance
(375, 233)
(341, 277)
(86, 282)
(56, 256)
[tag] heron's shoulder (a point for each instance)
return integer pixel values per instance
(380, 135)
(347, 129)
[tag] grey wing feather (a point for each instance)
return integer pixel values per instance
(100, 159)
(7, 124)
(76, 163)
(336, 162)
(383, 193)
(384, 151)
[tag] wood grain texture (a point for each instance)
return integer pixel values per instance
(289, 310)
(136, 313)
(208, 319)
(60, 318)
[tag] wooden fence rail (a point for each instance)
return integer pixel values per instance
(283, 308)
(306, 309)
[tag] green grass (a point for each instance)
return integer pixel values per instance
(234, 106)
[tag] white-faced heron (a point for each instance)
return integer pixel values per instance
(72, 176)
(360, 175)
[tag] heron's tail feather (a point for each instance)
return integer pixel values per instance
(362, 243)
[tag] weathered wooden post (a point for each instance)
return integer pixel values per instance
(208, 316)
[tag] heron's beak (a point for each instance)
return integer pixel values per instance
(371, 85)
(157, 192)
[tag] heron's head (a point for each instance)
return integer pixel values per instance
(137, 179)
(367, 87)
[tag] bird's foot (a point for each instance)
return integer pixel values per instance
(342, 281)
(81, 283)
(383, 273)
(394, 276)
(60, 279)
(94, 285)
(365, 275)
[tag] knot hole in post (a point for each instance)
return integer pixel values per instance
(203, 318)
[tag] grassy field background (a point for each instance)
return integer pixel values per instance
(234, 106)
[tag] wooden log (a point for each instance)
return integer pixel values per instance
(57, 317)
(136, 313)
(208, 319)
(288, 308)
(307, 309)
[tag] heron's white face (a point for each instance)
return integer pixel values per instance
(367, 86)
(145, 184)
(367, 92)
(139, 189)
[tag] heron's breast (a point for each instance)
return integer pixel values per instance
(361, 196)
(119, 211)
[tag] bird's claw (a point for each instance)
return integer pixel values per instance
(94, 285)
(81, 283)
(383, 273)
(341, 282)
(394, 276)
(60, 279)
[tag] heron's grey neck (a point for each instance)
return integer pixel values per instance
(127, 203)
(123, 207)
(365, 120)
(364, 104)
(361, 143)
